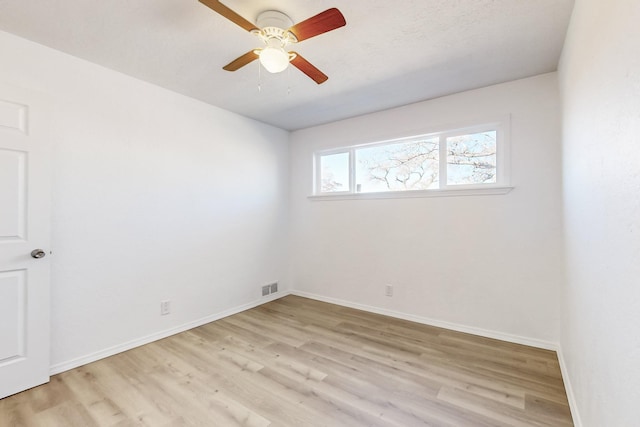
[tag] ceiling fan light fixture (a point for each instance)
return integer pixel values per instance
(274, 59)
(271, 30)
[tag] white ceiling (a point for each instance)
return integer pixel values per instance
(390, 53)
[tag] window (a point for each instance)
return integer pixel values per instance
(469, 158)
(335, 172)
(409, 165)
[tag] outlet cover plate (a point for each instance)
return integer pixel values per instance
(165, 307)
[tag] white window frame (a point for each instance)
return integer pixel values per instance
(317, 158)
(503, 166)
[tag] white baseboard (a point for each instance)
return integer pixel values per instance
(571, 397)
(83, 360)
(532, 342)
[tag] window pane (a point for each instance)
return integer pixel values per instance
(471, 159)
(334, 172)
(411, 165)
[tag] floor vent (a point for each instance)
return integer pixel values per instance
(269, 289)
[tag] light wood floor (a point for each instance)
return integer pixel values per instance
(298, 362)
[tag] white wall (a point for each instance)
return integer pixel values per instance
(491, 264)
(156, 196)
(600, 90)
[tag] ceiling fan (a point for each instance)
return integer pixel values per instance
(277, 31)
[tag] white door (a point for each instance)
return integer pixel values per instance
(24, 227)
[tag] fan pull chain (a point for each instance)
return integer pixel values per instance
(259, 77)
(288, 81)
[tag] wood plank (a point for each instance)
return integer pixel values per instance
(300, 362)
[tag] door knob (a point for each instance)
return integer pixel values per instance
(38, 253)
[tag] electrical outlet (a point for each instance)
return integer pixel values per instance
(165, 307)
(388, 290)
(274, 287)
(266, 290)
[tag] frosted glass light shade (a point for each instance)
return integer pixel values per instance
(274, 59)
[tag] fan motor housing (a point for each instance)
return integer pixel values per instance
(273, 18)
(274, 28)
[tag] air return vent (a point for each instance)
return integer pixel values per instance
(269, 289)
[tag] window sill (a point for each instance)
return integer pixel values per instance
(491, 191)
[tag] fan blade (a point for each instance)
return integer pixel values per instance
(223, 10)
(309, 69)
(323, 22)
(241, 61)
